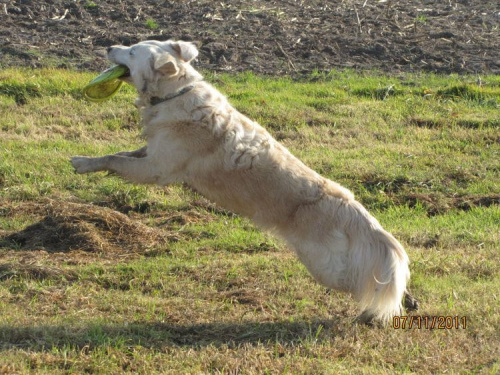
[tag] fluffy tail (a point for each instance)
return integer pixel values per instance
(379, 273)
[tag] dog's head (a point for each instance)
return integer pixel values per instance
(153, 62)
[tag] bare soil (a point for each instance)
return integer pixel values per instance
(292, 37)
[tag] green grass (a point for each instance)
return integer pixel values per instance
(420, 152)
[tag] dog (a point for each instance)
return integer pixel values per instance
(194, 136)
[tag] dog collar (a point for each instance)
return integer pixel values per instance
(156, 100)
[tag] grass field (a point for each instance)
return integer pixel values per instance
(101, 276)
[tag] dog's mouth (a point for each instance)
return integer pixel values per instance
(126, 75)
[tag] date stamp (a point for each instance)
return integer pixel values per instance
(429, 322)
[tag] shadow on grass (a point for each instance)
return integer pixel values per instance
(161, 335)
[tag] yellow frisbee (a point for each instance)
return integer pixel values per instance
(106, 84)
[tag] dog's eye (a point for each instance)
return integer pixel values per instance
(132, 52)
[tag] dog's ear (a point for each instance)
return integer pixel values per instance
(187, 51)
(166, 65)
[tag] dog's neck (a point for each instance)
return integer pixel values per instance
(161, 91)
(155, 100)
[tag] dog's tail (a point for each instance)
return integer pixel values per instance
(379, 272)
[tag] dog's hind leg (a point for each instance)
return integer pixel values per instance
(133, 169)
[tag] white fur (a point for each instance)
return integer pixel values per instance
(198, 138)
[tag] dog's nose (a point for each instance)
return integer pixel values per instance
(109, 49)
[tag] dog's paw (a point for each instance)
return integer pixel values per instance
(410, 303)
(82, 164)
(365, 318)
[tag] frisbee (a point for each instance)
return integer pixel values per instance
(106, 84)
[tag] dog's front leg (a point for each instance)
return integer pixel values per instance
(133, 169)
(140, 153)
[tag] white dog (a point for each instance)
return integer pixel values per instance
(195, 136)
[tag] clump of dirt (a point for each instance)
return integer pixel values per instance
(85, 227)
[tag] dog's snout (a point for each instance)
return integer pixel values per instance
(109, 49)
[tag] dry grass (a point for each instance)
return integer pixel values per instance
(84, 227)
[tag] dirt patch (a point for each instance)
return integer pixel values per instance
(85, 227)
(245, 296)
(33, 271)
(264, 36)
(437, 204)
(374, 183)
(211, 208)
(429, 123)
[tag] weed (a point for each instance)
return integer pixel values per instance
(151, 24)
(90, 4)
(422, 19)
